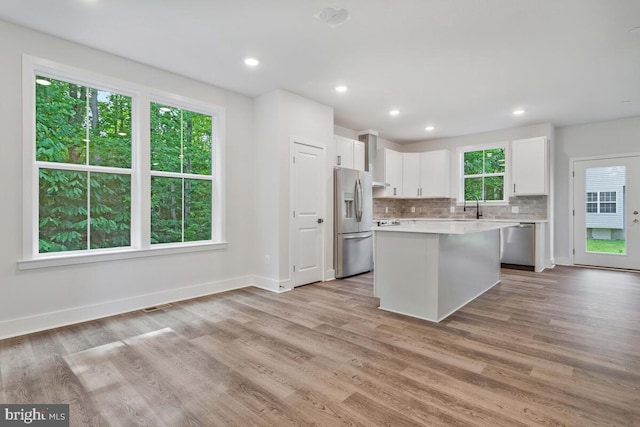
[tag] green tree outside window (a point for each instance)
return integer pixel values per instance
(80, 127)
(181, 183)
(483, 174)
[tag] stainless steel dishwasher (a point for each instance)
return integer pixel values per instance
(518, 246)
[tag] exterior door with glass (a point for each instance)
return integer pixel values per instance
(606, 203)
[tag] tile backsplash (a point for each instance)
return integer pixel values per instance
(530, 207)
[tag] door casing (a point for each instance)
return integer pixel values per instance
(323, 209)
(572, 197)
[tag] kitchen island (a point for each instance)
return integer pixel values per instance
(430, 269)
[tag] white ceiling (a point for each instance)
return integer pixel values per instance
(461, 65)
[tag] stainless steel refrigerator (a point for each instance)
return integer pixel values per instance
(353, 217)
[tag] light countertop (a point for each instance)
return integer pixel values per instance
(515, 220)
(447, 227)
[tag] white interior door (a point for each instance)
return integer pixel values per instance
(606, 203)
(308, 240)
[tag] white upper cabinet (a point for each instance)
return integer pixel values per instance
(530, 167)
(435, 174)
(358, 155)
(410, 174)
(349, 153)
(388, 169)
(426, 175)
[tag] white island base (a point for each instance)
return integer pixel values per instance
(429, 273)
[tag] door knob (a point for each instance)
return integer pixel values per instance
(320, 220)
(635, 212)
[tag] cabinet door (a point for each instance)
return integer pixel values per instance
(529, 166)
(390, 172)
(344, 152)
(358, 155)
(435, 174)
(410, 174)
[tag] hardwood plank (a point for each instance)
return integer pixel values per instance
(552, 348)
(21, 375)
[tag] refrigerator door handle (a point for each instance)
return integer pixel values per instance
(357, 237)
(358, 200)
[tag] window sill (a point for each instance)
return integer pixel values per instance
(85, 258)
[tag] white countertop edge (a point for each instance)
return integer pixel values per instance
(515, 220)
(448, 227)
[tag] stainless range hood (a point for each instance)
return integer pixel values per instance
(370, 139)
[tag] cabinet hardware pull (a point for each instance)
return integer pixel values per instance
(514, 188)
(339, 160)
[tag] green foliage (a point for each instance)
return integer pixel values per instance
(181, 141)
(80, 125)
(607, 246)
(479, 163)
(63, 210)
(86, 126)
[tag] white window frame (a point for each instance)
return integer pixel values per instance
(140, 169)
(216, 161)
(507, 161)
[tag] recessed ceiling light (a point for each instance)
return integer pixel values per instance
(394, 112)
(429, 128)
(43, 82)
(518, 112)
(341, 88)
(251, 62)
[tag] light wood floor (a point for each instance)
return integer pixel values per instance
(554, 348)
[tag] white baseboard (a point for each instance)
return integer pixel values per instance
(329, 275)
(55, 319)
(272, 285)
(563, 261)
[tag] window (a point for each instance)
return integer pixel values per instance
(98, 187)
(83, 159)
(483, 174)
(181, 176)
(602, 202)
(607, 202)
(592, 202)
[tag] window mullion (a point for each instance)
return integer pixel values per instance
(87, 140)
(142, 188)
(182, 172)
(88, 210)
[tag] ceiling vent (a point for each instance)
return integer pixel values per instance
(333, 16)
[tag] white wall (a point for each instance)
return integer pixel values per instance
(280, 116)
(588, 140)
(41, 298)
